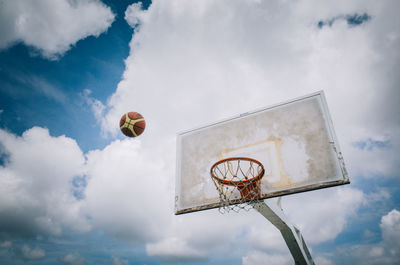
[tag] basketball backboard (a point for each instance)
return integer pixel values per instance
(295, 141)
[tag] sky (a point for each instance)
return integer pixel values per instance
(74, 190)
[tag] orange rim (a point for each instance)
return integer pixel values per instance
(238, 183)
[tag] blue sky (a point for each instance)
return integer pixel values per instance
(74, 190)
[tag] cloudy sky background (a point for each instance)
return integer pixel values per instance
(74, 190)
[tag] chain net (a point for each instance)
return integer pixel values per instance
(237, 180)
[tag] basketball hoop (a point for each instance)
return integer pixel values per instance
(237, 180)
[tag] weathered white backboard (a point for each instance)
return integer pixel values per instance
(295, 141)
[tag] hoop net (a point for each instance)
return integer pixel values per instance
(237, 180)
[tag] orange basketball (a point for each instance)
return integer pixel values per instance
(132, 124)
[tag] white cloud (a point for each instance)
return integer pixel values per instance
(73, 259)
(126, 192)
(28, 253)
(52, 27)
(384, 252)
(36, 191)
(119, 261)
(6, 244)
(321, 215)
(197, 236)
(133, 14)
(390, 226)
(265, 237)
(174, 249)
(257, 257)
(376, 252)
(96, 106)
(323, 261)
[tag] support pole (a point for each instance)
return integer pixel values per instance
(293, 238)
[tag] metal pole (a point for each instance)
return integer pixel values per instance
(293, 238)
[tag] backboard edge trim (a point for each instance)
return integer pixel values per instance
(271, 195)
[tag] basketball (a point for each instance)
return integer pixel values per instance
(132, 124)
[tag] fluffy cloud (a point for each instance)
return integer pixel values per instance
(73, 259)
(27, 253)
(133, 14)
(265, 237)
(126, 193)
(198, 236)
(52, 27)
(322, 215)
(256, 257)
(6, 244)
(384, 252)
(36, 191)
(173, 250)
(390, 226)
(128, 187)
(119, 261)
(323, 261)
